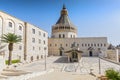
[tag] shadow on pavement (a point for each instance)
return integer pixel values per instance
(62, 59)
(13, 72)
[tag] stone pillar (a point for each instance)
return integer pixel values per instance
(117, 55)
(68, 58)
(78, 57)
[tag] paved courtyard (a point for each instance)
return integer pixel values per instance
(68, 71)
(60, 64)
(64, 76)
(65, 70)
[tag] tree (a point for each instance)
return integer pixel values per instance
(112, 74)
(10, 38)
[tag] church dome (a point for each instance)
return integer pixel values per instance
(64, 24)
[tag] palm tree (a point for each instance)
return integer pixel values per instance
(10, 38)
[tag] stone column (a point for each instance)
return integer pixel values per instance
(78, 56)
(68, 58)
(117, 55)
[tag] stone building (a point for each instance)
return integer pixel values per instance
(34, 40)
(64, 34)
(113, 53)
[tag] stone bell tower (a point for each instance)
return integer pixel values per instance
(64, 27)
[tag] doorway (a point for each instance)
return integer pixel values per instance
(61, 52)
(74, 57)
(90, 53)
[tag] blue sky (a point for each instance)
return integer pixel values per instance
(93, 18)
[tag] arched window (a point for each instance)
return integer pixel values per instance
(44, 34)
(33, 40)
(59, 35)
(85, 45)
(33, 31)
(39, 41)
(82, 45)
(104, 45)
(98, 45)
(88, 45)
(20, 28)
(10, 24)
(63, 35)
(95, 45)
(101, 44)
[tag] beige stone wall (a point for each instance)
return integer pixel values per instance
(36, 48)
(5, 28)
(26, 46)
(114, 55)
(1, 25)
(67, 34)
(83, 44)
(111, 54)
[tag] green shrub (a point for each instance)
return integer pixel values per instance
(112, 74)
(13, 61)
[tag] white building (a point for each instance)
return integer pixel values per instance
(64, 34)
(34, 43)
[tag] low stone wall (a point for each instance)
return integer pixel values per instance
(30, 75)
(109, 60)
(111, 54)
(2, 63)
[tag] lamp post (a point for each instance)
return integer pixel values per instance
(45, 58)
(99, 66)
(99, 60)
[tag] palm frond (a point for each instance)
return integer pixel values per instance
(11, 38)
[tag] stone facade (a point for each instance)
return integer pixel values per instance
(64, 27)
(64, 34)
(91, 46)
(34, 40)
(113, 54)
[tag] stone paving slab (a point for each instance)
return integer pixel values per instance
(83, 69)
(64, 76)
